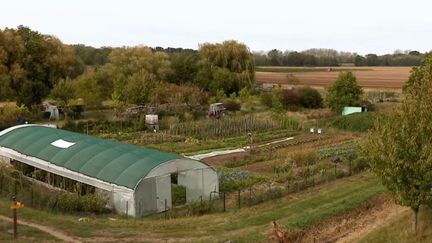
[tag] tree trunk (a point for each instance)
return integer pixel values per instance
(414, 220)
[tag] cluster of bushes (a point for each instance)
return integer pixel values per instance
(292, 99)
(105, 126)
(357, 122)
(9, 114)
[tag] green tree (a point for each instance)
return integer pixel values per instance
(138, 87)
(184, 68)
(399, 147)
(344, 92)
(229, 66)
(309, 97)
(63, 93)
(87, 88)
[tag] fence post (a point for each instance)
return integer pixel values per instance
(127, 209)
(335, 170)
(166, 210)
(224, 208)
(139, 208)
(239, 199)
(250, 196)
(31, 195)
(349, 166)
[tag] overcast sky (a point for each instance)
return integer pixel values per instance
(367, 26)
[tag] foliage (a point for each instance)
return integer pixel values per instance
(174, 94)
(266, 99)
(87, 88)
(32, 63)
(228, 66)
(399, 146)
(356, 122)
(344, 92)
(184, 68)
(91, 55)
(309, 97)
(63, 93)
(13, 182)
(234, 179)
(9, 114)
(289, 98)
(231, 126)
(232, 104)
(178, 194)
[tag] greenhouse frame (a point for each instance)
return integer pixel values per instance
(136, 180)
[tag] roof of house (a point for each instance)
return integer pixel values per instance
(106, 160)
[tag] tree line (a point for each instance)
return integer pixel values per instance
(330, 57)
(34, 66)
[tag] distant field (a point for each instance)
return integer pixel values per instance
(367, 77)
(307, 69)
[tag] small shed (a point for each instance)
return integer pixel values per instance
(353, 109)
(136, 180)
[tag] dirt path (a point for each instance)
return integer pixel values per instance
(355, 224)
(49, 230)
(375, 220)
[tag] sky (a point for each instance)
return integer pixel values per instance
(367, 26)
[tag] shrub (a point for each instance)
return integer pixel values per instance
(199, 207)
(178, 194)
(9, 114)
(309, 97)
(357, 122)
(232, 104)
(289, 98)
(266, 99)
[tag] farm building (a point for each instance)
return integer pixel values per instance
(136, 180)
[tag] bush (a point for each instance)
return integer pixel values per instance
(289, 98)
(266, 99)
(9, 114)
(309, 97)
(199, 207)
(178, 194)
(232, 104)
(357, 122)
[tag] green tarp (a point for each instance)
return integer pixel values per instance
(106, 160)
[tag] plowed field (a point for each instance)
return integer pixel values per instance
(372, 77)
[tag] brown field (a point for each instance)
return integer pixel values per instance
(377, 78)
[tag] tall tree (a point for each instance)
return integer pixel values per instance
(399, 147)
(344, 92)
(230, 60)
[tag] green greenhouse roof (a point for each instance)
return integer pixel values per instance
(106, 160)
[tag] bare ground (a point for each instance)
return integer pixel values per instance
(354, 224)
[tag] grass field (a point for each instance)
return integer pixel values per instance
(372, 77)
(399, 229)
(297, 211)
(26, 234)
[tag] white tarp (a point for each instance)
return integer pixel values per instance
(62, 144)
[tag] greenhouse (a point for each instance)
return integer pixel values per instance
(136, 180)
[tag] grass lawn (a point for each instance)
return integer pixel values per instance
(295, 211)
(25, 234)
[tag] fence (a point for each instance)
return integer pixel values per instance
(226, 201)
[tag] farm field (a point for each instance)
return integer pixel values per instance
(370, 77)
